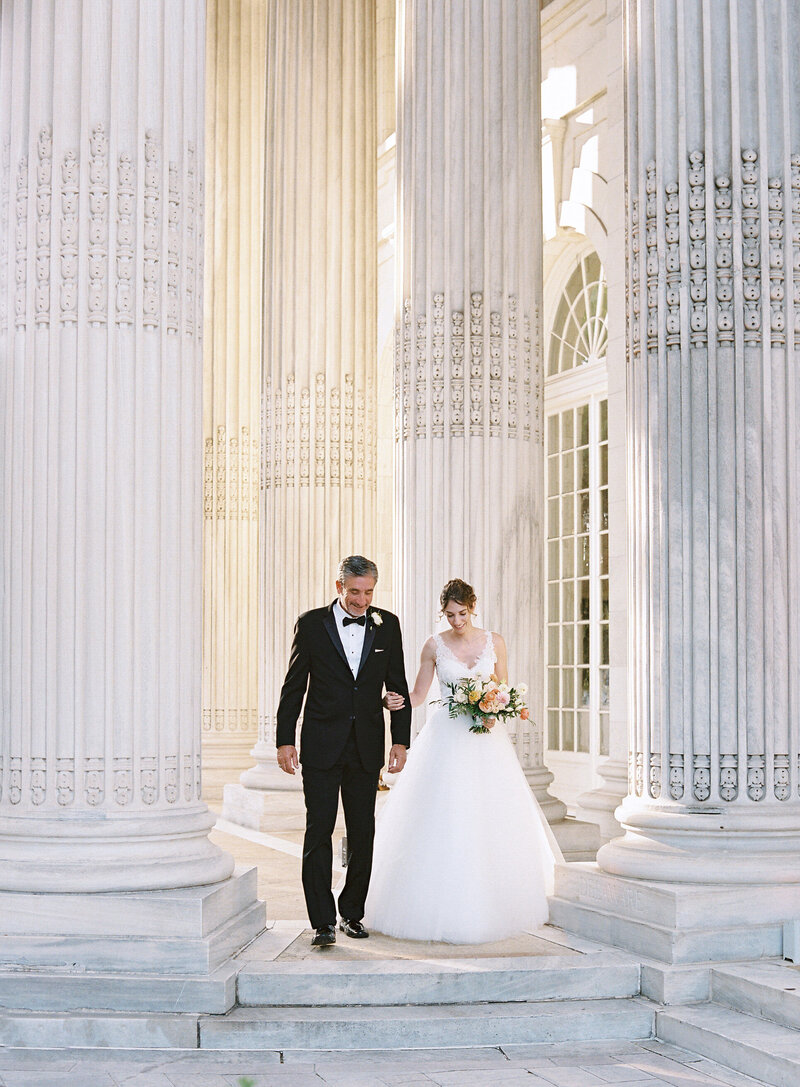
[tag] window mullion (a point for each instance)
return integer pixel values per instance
(594, 577)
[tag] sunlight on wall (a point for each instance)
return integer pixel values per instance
(560, 91)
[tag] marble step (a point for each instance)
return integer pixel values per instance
(414, 1027)
(769, 990)
(577, 839)
(754, 1047)
(714, 941)
(317, 983)
(66, 992)
(97, 1030)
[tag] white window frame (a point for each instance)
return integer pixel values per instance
(584, 384)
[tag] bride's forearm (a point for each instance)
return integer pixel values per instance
(416, 697)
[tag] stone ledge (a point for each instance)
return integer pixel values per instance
(65, 992)
(667, 945)
(122, 932)
(317, 983)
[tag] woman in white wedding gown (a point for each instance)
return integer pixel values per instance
(462, 853)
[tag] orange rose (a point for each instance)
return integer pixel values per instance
(524, 713)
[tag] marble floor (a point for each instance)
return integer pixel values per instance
(630, 1064)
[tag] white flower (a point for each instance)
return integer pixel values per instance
(461, 695)
(522, 688)
(377, 618)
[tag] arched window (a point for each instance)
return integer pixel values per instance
(580, 330)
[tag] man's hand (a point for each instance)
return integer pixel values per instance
(393, 701)
(287, 758)
(397, 758)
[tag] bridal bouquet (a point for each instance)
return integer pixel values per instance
(486, 700)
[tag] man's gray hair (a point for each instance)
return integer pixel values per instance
(356, 566)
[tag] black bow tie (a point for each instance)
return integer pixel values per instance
(348, 619)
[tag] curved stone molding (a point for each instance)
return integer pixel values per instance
(713, 402)
(99, 636)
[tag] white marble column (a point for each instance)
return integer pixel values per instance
(318, 475)
(468, 380)
(714, 399)
(235, 111)
(101, 124)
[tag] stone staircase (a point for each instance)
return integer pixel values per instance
(750, 1023)
(743, 1015)
(355, 1005)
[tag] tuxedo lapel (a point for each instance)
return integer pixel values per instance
(369, 638)
(330, 625)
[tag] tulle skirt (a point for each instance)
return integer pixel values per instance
(461, 851)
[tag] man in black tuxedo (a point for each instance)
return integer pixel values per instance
(342, 659)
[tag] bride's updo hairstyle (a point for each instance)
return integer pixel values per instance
(459, 592)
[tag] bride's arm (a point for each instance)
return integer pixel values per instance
(427, 666)
(501, 665)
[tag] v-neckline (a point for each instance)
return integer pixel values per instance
(455, 656)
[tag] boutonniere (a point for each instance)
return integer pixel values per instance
(376, 617)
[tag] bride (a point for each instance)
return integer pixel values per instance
(462, 852)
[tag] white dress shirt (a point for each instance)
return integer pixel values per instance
(352, 637)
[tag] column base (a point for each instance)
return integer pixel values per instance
(186, 931)
(92, 851)
(540, 778)
(266, 810)
(225, 758)
(578, 840)
(735, 844)
(599, 805)
(269, 776)
(672, 922)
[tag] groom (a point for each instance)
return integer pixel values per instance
(342, 658)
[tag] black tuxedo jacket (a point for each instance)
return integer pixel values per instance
(335, 700)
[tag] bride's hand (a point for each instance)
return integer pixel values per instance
(393, 701)
(490, 722)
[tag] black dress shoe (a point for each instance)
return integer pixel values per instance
(353, 929)
(324, 936)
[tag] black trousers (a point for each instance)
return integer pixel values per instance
(321, 790)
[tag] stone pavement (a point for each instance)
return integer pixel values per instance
(630, 1064)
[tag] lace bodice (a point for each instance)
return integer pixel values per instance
(450, 669)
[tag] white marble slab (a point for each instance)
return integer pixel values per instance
(412, 1027)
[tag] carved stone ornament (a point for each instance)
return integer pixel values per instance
(443, 383)
(321, 436)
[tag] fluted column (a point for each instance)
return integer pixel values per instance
(468, 380)
(318, 474)
(714, 391)
(235, 48)
(101, 123)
